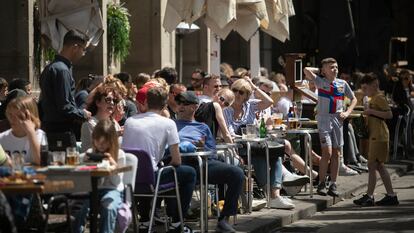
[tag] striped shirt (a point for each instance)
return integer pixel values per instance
(249, 116)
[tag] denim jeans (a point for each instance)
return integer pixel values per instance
(259, 164)
(111, 200)
(233, 176)
(186, 176)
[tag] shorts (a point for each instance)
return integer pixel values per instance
(330, 130)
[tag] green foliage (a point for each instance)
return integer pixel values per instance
(118, 29)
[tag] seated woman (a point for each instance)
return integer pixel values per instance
(242, 112)
(102, 106)
(211, 113)
(105, 141)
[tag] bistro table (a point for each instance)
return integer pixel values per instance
(248, 142)
(95, 174)
(308, 155)
(202, 156)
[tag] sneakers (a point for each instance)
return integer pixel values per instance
(295, 180)
(224, 226)
(332, 191)
(388, 201)
(281, 203)
(321, 190)
(258, 204)
(346, 171)
(365, 200)
(176, 228)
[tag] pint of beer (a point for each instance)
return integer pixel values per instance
(293, 123)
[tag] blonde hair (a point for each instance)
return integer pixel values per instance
(243, 85)
(228, 93)
(110, 80)
(22, 104)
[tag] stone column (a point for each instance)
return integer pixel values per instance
(16, 42)
(151, 46)
(255, 55)
(215, 53)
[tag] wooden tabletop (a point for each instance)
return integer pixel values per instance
(109, 172)
(30, 187)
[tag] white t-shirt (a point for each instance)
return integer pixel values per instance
(114, 181)
(11, 143)
(150, 132)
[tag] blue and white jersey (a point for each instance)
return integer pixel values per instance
(331, 95)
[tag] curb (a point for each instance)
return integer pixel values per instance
(267, 220)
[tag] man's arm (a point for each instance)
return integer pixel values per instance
(311, 72)
(64, 98)
(175, 155)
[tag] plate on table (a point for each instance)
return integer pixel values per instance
(61, 168)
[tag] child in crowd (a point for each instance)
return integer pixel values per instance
(331, 114)
(377, 111)
(24, 137)
(105, 141)
(25, 134)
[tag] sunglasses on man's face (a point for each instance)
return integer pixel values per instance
(222, 99)
(237, 91)
(110, 100)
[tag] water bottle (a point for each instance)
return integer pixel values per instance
(44, 152)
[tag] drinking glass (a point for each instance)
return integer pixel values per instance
(251, 131)
(59, 157)
(72, 156)
(17, 162)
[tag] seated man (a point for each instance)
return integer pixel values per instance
(218, 172)
(153, 133)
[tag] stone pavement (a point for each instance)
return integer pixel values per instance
(346, 217)
(266, 220)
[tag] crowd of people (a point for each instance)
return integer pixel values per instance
(163, 117)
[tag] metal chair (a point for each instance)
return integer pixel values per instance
(129, 182)
(147, 186)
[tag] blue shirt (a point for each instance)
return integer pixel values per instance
(193, 131)
(249, 116)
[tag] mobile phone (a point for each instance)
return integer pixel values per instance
(96, 157)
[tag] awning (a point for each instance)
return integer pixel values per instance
(58, 17)
(223, 16)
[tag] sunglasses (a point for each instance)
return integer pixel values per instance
(237, 91)
(222, 99)
(110, 100)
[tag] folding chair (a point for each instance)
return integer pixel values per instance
(147, 186)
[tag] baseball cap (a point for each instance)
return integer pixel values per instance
(142, 93)
(188, 97)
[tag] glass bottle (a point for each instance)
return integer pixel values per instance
(262, 128)
(44, 151)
